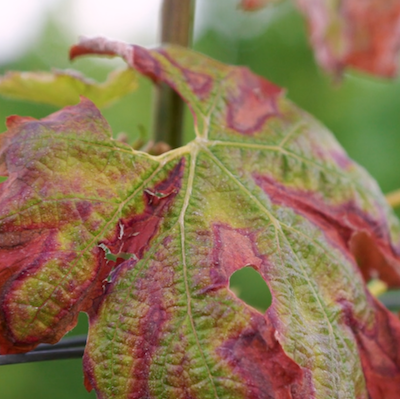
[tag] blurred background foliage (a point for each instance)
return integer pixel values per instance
(363, 112)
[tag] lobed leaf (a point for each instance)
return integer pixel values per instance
(61, 88)
(146, 245)
(361, 34)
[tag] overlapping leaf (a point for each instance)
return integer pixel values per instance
(63, 88)
(262, 185)
(360, 34)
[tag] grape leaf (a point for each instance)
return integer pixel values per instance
(351, 33)
(146, 245)
(61, 88)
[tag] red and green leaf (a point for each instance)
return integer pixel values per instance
(146, 245)
(351, 33)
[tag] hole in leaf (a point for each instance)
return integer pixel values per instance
(3, 178)
(248, 285)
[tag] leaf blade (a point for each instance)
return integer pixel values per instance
(260, 193)
(62, 88)
(61, 210)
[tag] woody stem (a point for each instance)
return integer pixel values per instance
(176, 28)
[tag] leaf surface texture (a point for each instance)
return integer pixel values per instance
(146, 245)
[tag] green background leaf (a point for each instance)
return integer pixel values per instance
(62, 88)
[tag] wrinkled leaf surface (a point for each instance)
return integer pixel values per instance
(61, 88)
(351, 33)
(147, 245)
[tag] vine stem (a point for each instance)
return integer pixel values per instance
(67, 348)
(393, 199)
(177, 18)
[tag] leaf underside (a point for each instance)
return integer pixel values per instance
(351, 33)
(146, 245)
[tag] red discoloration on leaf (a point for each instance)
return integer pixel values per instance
(134, 235)
(254, 353)
(379, 351)
(346, 226)
(151, 328)
(255, 188)
(351, 33)
(266, 354)
(22, 250)
(234, 249)
(375, 35)
(144, 329)
(146, 64)
(143, 61)
(375, 257)
(64, 320)
(251, 102)
(341, 159)
(77, 51)
(23, 261)
(15, 120)
(258, 357)
(84, 208)
(364, 35)
(254, 5)
(33, 220)
(200, 83)
(133, 55)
